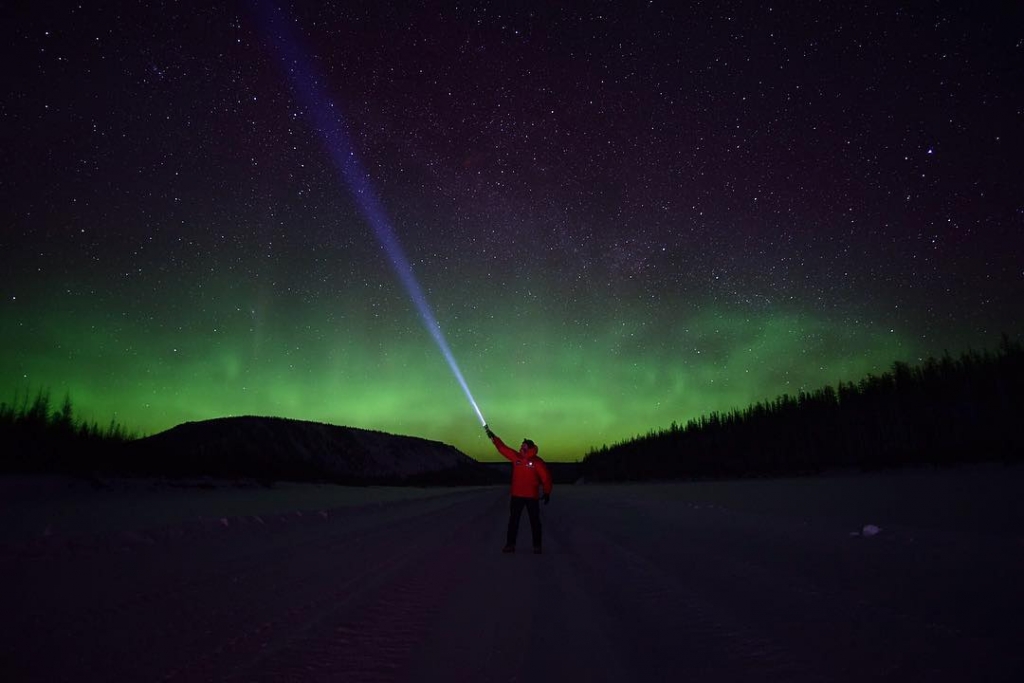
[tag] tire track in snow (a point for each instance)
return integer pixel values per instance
(189, 619)
(787, 586)
(672, 631)
(145, 578)
(371, 636)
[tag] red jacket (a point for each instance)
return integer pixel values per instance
(527, 471)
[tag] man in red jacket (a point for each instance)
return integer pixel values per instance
(529, 473)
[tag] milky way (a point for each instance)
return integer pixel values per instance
(622, 214)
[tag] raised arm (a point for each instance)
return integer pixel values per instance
(500, 445)
(509, 453)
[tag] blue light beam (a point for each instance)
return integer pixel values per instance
(327, 119)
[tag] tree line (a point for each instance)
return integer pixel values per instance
(944, 411)
(38, 436)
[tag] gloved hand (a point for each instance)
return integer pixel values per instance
(547, 498)
(490, 434)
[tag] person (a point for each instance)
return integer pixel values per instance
(529, 475)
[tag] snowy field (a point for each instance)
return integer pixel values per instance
(63, 509)
(913, 575)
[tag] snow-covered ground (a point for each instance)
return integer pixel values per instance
(54, 510)
(912, 575)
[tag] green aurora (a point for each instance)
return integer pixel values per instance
(568, 384)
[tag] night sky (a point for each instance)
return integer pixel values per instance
(622, 214)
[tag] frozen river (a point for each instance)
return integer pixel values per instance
(903, 576)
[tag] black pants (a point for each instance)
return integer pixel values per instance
(515, 511)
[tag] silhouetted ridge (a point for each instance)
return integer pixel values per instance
(274, 448)
(36, 438)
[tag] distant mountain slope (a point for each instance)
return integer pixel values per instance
(283, 449)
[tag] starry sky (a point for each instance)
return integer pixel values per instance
(622, 214)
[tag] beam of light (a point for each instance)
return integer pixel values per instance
(326, 118)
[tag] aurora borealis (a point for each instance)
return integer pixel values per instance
(622, 214)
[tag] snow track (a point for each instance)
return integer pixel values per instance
(629, 588)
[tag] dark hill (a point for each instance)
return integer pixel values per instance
(269, 448)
